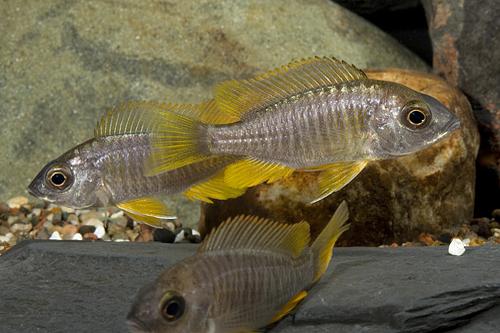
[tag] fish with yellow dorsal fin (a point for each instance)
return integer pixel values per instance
(109, 169)
(317, 113)
(248, 273)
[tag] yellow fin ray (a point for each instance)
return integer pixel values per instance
(322, 247)
(240, 98)
(250, 232)
(250, 172)
(146, 210)
(335, 176)
(214, 188)
(292, 304)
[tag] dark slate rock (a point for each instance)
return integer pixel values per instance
(50, 286)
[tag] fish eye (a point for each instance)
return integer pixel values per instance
(172, 306)
(59, 178)
(415, 117)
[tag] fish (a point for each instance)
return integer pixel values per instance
(316, 114)
(247, 274)
(109, 169)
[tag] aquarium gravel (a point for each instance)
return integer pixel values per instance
(21, 220)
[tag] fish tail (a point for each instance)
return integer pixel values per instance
(178, 139)
(322, 247)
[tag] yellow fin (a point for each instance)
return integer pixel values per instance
(250, 232)
(289, 306)
(250, 172)
(322, 247)
(335, 176)
(126, 118)
(179, 135)
(146, 210)
(214, 188)
(239, 98)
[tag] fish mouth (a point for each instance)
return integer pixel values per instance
(135, 325)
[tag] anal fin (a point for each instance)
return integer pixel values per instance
(146, 210)
(335, 176)
(250, 172)
(292, 303)
(214, 188)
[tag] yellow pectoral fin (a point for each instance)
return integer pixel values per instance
(146, 210)
(214, 188)
(289, 306)
(335, 176)
(250, 172)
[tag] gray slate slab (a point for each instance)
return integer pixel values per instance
(48, 286)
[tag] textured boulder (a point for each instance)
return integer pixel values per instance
(50, 286)
(465, 38)
(392, 200)
(63, 63)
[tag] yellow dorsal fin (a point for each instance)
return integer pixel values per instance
(335, 176)
(127, 118)
(239, 98)
(146, 210)
(214, 188)
(289, 306)
(250, 232)
(250, 172)
(322, 247)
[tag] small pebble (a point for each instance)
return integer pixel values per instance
(77, 236)
(99, 231)
(17, 202)
(92, 215)
(4, 208)
(164, 236)
(117, 214)
(456, 247)
(89, 236)
(4, 230)
(67, 210)
(69, 230)
(73, 219)
(55, 236)
(85, 229)
(36, 211)
(93, 222)
(21, 227)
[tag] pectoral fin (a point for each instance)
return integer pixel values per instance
(146, 210)
(335, 176)
(250, 172)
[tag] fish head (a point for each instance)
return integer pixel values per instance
(69, 180)
(174, 302)
(409, 121)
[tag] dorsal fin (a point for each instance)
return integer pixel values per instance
(251, 232)
(142, 116)
(239, 98)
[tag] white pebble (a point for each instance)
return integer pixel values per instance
(117, 214)
(456, 247)
(4, 239)
(17, 202)
(120, 240)
(55, 236)
(77, 236)
(99, 232)
(466, 242)
(95, 222)
(67, 210)
(36, 211)
(195, 232)
(180, 237)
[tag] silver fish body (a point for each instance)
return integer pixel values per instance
(356, 120)
(110, 169)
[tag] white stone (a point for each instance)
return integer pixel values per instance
(17, 202)
(117, 214)
(456, 247)
(55, 236)
(21, 227)
(95, 222)
(196, 233)
(36, 211)
(77, 236)
(466, 242)
(180, 237)
(4, 239)
(99, 231)
(121, 240)
(67, 210)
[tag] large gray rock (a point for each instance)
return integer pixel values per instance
(51, 286)
(63, 63)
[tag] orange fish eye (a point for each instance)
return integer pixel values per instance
(172, 306)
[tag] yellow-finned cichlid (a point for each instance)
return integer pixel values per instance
(314, 114)
(109, 169)
(248, 273)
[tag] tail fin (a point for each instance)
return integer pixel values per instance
(177, 138)
(322, 247)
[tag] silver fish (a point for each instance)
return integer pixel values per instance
(109, 170)
(314, 114)
(247, 274)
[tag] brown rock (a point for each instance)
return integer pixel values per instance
(392, 200)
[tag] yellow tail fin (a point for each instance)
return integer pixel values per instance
(322, 247)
